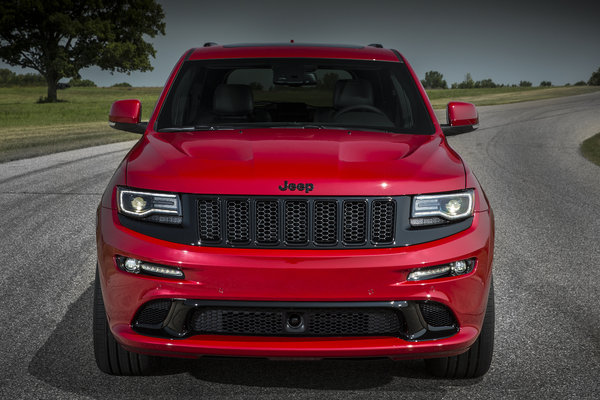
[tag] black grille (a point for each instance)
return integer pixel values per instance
(317, 322)
(296, 222)
(325, 222)
(383, 221)
(209, 217)
(238, 221)
(355, 227)
(358, 323)
(229, 221)
(153, 313)
(267, 222)
(436, 314)
(232, 322)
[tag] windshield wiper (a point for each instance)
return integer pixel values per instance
(197, 128)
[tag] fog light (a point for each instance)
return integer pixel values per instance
(459, 267)
(134, 266)
(162, 270)
(442, 271)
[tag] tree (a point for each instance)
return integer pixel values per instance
(468, 83)
(525, 84)
(486, 83)
(545, 83)
(434, 80)
(58, 38)
(595, 79)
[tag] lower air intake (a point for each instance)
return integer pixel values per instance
(314, 322)
(153, 313)
(436, 314)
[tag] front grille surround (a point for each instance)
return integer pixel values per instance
(409, 320)
(296, 222)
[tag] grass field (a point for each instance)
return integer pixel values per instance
(30, 129)
(487, 97)
(590, 148)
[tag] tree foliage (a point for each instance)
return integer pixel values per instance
(595, 79)
(75, 82)
(9, 78)
(434, 80)
(58, 38)
(546, 83)
(525, 84)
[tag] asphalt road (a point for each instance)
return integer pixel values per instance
(546, 198)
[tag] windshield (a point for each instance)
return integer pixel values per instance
(310, 93)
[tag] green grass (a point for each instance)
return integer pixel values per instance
(487, 97)
(590, 148)
(29, 129)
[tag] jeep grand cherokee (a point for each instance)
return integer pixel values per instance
(291, 200)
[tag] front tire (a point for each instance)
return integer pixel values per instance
(477, 360)
(111, 358)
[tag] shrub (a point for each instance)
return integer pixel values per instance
(122, 84)
(595, 79)
(580, 83)
(545, 83)
(81, 83)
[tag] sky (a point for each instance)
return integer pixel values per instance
(507, 41)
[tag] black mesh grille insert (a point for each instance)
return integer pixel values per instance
(325, 222)
(308, 222)
(383, 221)
(209, 220)
(359, 323)
(238, 221)
(317, 322)
(436, 314)
(153, 312)
(296, 222)
(237, 322)
(355, 222)
(267, 222)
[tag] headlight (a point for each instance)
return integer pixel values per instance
(441, 208)
(146, 204)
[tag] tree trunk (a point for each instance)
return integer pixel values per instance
(51, 81)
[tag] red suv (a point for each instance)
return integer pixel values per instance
(294, 200)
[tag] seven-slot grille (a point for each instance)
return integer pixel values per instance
(292, 222)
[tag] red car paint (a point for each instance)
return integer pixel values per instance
(256, 161)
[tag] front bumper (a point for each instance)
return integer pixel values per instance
(272, 275)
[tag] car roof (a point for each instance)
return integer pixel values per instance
(292, 50)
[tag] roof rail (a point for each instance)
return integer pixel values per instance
(209, 44)
(379, 46)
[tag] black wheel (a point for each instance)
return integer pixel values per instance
(110, 356)
(476, 361)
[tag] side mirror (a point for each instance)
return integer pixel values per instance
(125, 115)
(461, 117)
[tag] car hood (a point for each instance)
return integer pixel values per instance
(259, 161)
